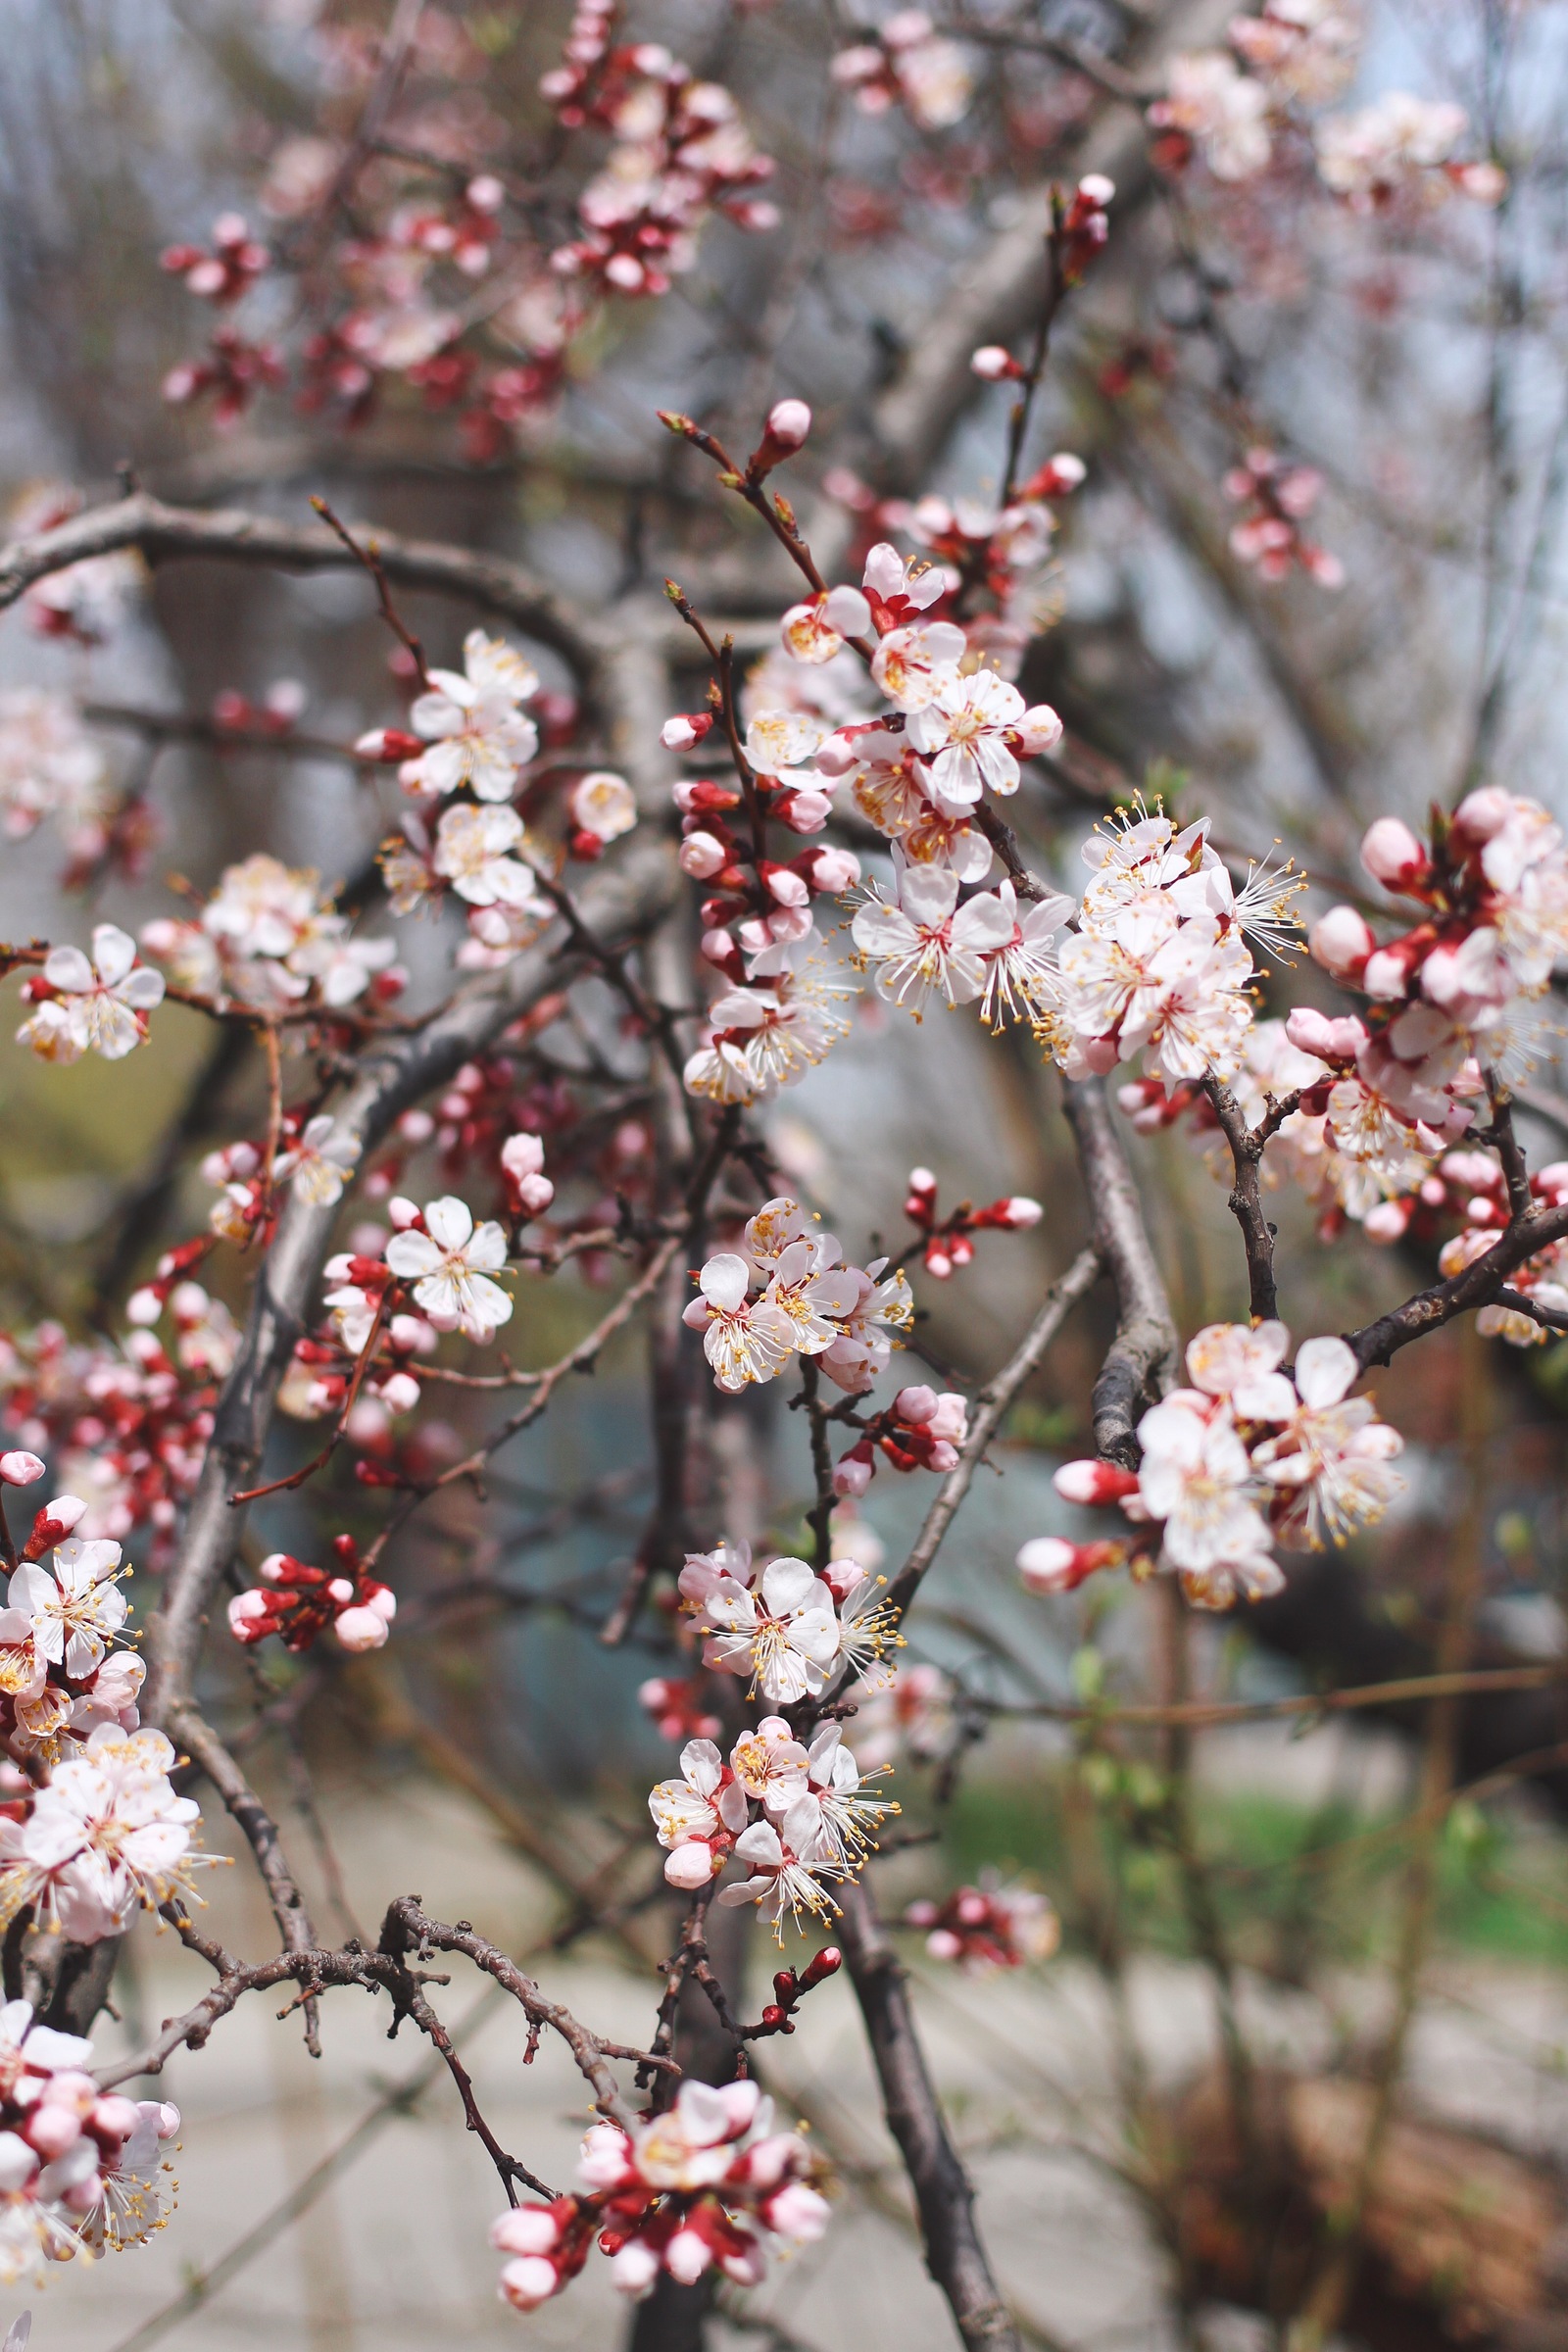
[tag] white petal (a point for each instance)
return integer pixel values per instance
(69, 968)
(113, 952)
(724, 1281)
(448, 1221)
(1325, 1371)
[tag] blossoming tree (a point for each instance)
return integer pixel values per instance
(702, 836)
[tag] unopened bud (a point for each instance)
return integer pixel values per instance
(1094, 1483)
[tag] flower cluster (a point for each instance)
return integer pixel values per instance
(104, 1837)
(948, 1245)
(1248, 1456)
(1450, 998)
(1301, 53)
(987, 1927)
(796, 1819)
(98, 1005)
(791, 1632)
(51, 766)
(706, 2183)
(1159, 964)
(60, 1680)
(786, 1293)
(908, 65)
(270, 938)
(128, 1423)
(1278, 499)
(680, 152)
(297, 1603)
(78, 2168)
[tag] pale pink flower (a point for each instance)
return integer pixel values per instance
(472, 851)
(470, 719)
(927, 942)
(103, 1005)
(744, 1339)
(603, 804)
(781, 1631)
(449, 1264)
(961, 734)
(77, 1611)
(108, 1834)
(1197, 1479)
(1333, 1456)
(320, 1162)
(911, 664)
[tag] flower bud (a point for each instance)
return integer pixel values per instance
(1388, 1222)
(690, 1865)
(992, 361)
(804, 812)
(1050, 1564)
(686, 728)
(1018, 1212)
(1331, 1041)
(1037, 731)
(703, 856)
(528, 2281)
(360, 1628)
(833, 870)
(787, 423)
(1393, 855)
(20, 1469)
(915, 1405)
(1483, 812)
(1341, 941)
(852, 1473)
(1094, 1483)
(526, 2230)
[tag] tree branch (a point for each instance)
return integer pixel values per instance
(1142, 1359)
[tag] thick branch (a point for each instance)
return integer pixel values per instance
(955, 2256)
(1482, 1283)
(230, 535)
(1247, 1198)
(1143, 1355)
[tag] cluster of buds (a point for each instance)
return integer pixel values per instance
(677, 1707)
(1246, 1458)
(706, 2184)
(129, 1424)
(233, 370)
(946, 1239)
(224, 274)
(790, 1987)
(680, 153)
(462, 231)
(297, 1603)
(1278, 499)
(987, 1927)
(1452, 997)
(78, 2168)
(921, 1430)
(908, 64)
(1083, 227)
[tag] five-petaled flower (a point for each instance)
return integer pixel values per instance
(449, 1264)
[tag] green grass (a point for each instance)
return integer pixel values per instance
(1293, 1889)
